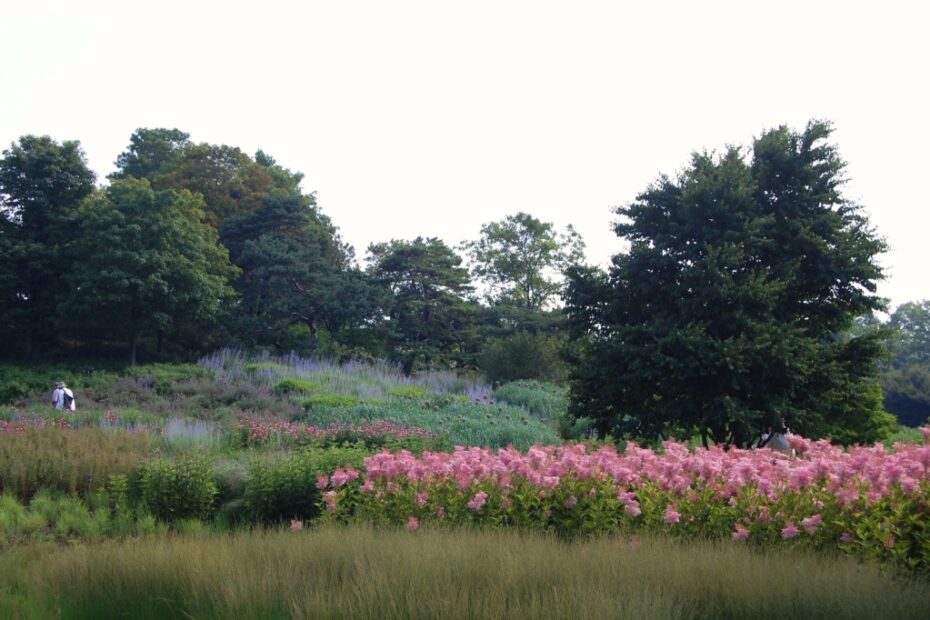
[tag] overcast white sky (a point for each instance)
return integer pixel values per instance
(431, 118)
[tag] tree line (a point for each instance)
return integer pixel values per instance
(193, 246)
(744, 302)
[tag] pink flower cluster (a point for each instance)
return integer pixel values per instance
(871, 472)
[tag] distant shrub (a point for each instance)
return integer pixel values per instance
(291, 384)
(163, 376)
(178, 489)
(285, 486)
(545, 400)
(522, 356)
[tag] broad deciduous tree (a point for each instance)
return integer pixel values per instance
(522, 259)
(42, 183)
(148, 263)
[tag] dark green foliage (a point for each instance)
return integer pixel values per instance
(724, 317)
(18, 382)
(430, 320)
(907, 394)
(151, 154)
(178, 489)
(282, 487)
(523, 355)
(42, 183)
(150, 266)
(295, 272)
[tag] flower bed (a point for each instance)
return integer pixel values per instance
(865, 500)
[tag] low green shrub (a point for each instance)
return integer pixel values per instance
(178, 489)
(291, 385)
(284, 486)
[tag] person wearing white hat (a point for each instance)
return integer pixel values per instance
(63, 397)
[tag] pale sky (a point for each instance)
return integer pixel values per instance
(431, 118)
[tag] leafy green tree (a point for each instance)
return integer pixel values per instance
(148, 264)
(232, 184)
(42, 183)
(911, 340)
(724, 317)
(152, 153)
(522, 260)
(430, 320)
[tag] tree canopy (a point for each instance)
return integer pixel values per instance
(429, 317)
(42, 184)
(726, 314)
(148, 263)
(522, 259)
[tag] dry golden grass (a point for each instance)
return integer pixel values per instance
(360, 572)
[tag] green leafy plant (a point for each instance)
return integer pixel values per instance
(178, 489)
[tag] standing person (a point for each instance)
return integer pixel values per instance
(63, 397)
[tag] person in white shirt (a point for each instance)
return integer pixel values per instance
(63, 397)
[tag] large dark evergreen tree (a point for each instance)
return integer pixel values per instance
(725, 316)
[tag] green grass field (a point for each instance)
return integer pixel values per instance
(360, 572)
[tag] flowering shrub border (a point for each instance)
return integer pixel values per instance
(865, 501)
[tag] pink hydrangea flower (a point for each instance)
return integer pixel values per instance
(422, 497)
(571, 501)
(297, 524)
(671, 515)
(789, 531)
(810, 524)
(478, 501)
(329, 498)
(740, 533)
(412, 524)
(846, 538)
(322, 481)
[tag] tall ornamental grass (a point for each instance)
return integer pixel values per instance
(363, 379)
(72, 461)
(366, 573)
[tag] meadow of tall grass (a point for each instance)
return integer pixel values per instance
(361, 572)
